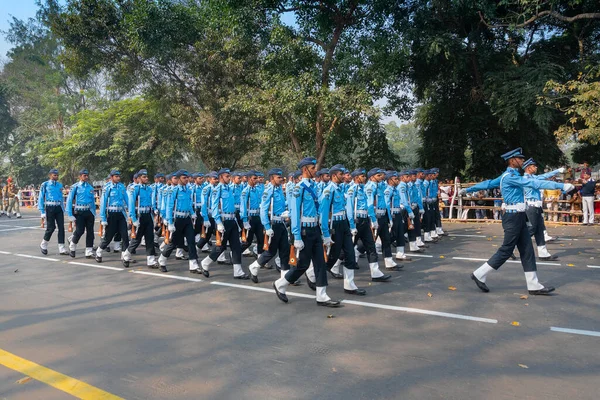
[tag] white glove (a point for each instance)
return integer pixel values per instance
(72, 219)
(171, 228)
(194, 221)
(567, 187)
(43, 216)
(247, 226)
(136, 224)
(411, 215)
(375, 225)
(299, 244)
(327, 241)
(270, 232)
(391, 224)
(354, 232)
(155, 212)
(462, 191)
(421, 212)
(221, 228)
(104, 223)
(285, 214)
(206, 224)
(561, 170)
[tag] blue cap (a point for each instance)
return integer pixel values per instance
(236, 173)
(142, 172)
(402, 173)
(251, 173)
(324, 171)
(82, 172)
(297, 174)
(275, 171)
(337, 168)
(53, 171)
(212, 174)
(199, 175)
(390, 174)
(159, 175)
(417, 170)
(412, 172)
(307, 161)
(224, 171)
(518, 152)
(358, 172)
(435, 170)
(182, 172)
(136, 175)
(169, 176)
(258, 173)
(115, 172)
(174, 173)
(374, 171)
(529, 162)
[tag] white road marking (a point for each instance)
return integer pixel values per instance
(593, 266)
(473, 236)
(5, 252)
(96, 266)
(420, 311)
(261, 289)
(419, 255)
(575, 331)
(14, 229)
(37, 258)
(508, 261)
(181, 278)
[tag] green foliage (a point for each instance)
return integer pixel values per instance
(405, 142)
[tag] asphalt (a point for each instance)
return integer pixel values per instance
(143, 336)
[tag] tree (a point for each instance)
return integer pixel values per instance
(405, 143)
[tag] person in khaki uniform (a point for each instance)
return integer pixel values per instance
(551, 197)
(10, 195)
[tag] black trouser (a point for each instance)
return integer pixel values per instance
(365, 234)
(55, 217)
(145, 230)
(342, 239)
(417, 221)
(384, 234)
(231, 236)
(412, 233)
(398, 230)
(117, 225)
(183, 229)
(199, 222)
(515, 234)
(207, 234)
(535, 215)
(279, 242)
(312, 251)
(428, 217)
(438, 216)
(84, 220)
(256, 228)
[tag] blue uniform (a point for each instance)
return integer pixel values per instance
(114, 199)
(50, 192)
(140, 201)
(179, 203)
(536, 194)
(304, 210)
(250, 202)
(272, 204)
(222, 202)
(334, 207)
(81, 197)
(223, 207)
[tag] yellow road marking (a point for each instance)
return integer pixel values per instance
(55, 379)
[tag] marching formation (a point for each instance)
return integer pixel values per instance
(319, 222)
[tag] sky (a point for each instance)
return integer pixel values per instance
(25, 9)
(21, 9)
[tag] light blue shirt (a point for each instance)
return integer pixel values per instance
(251, 198)
(303, 205)
(222, 201)
(180, 200)
(115, 195)
(82, 195)
(140, 196)
(272, 197)
(50, 191)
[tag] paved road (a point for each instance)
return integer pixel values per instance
(143, 336)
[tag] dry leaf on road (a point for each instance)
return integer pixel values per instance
(451, 288)
(515, 323)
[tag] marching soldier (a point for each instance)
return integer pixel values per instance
(51, 206)
(273, 216)
(307, 237)
(416, 204)
(112, 214)
(179, 215)
(222, 203)
(336, 211)
(159, 180)
(514, 223)
(250, 213)
(397, 208)
(408, 216)
(140, 213)
(206, 211)
(375, 190)
(197, 203)
(365, 221)
(535, 211)
(81, 209)
(434, 191)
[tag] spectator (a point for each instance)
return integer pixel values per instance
(480, 213)
(587, 195)
(498, 204)
(445, 197)
(584, 169)
(552, 197)
(575, 207)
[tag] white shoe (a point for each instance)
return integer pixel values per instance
(162, 261)
(222, 258)
(375, 272)
(61, 248)
(206, 263)
(254, 268)
(389, 262)
(247, 252)
(193, 264)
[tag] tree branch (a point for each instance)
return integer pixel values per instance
(542, 14)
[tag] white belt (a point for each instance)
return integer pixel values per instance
(276, 218)
(53, 203)
(116, 209)
(181, 214)
(520, 207)
(535, 203)
(380, 213)
(197, 205)
(82, 208)
(339, 214)
(237, 206)
(253, 212)
(396, 209)
(362, 214)
(309, 220)
(228, 216)
(143, 209)
(413, 205)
